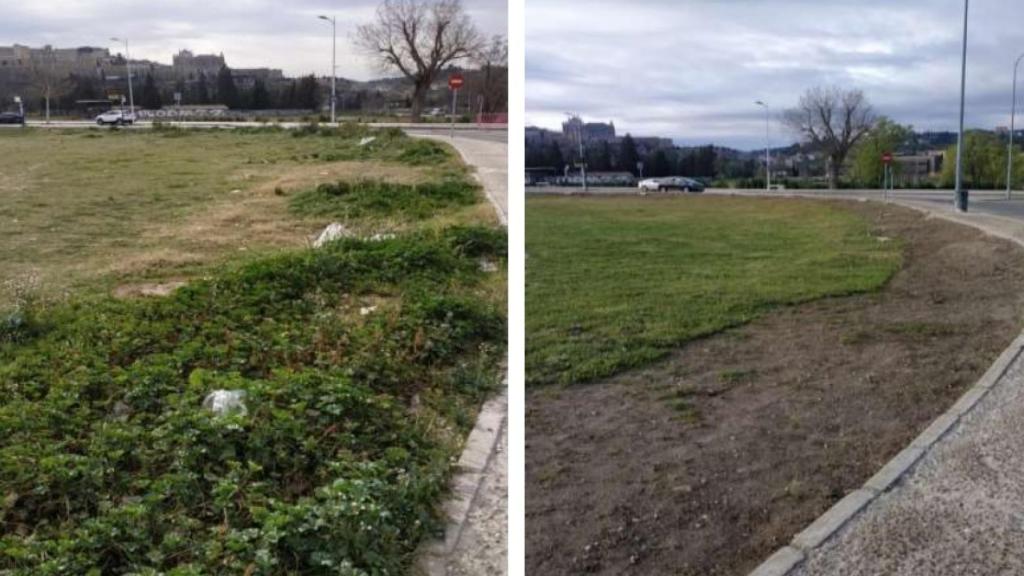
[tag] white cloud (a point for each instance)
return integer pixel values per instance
(691, 69)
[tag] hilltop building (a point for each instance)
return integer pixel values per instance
(592, 131)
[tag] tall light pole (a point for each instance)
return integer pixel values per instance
(960, 198)
(128, 61)
(767, 145)
(579, 136)
(1013, 118)
(334, 66)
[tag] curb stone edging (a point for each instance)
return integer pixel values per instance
(432, 556)
(826, 526)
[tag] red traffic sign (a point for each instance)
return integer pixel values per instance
(456, 81)
(887, 158)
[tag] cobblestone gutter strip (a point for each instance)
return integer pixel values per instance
(786, 559)
(432, 557)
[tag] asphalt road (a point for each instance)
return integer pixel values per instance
(486, 135)
(489, 131)
(992, 203)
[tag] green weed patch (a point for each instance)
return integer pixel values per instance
(109, 464)
(375, 199)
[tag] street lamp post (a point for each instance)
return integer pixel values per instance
(334, 66)
(1013, 118)
(960, 198)
(583, 157)
(767, 145)
(128, 62)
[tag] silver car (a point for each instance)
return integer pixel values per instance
(115, 118)
(680, 183)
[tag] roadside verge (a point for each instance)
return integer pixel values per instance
(809, 542)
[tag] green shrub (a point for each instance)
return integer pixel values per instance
(109, 464)
(376, 199)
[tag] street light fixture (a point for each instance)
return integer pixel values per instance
(1013, 118)
(334, 67)
(960, 195)
(128, 62)
(767, 145)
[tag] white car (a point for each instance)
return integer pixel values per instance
(680, 183)
(115, 117)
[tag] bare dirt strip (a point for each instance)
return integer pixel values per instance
(709, 461)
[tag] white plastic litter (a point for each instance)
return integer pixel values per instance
(367, 140)
(367, 310)
(333, 232)
(224, 402)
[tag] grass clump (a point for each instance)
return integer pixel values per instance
(423, 153)
(373, 199)
(110, 465)
(615, 283)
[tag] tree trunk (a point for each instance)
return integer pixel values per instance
(835, 163)
(419, 95)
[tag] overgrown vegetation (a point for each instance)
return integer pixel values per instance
(188, 199)
(360, 365)
(614, 283)
(361, 362)
(376, 199)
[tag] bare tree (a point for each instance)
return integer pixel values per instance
(832, 120)
(493, 59)
(45, 78)
(420, 38)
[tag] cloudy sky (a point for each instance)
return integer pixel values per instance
(274, 33)
(692, 69)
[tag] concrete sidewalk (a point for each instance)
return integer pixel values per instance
(953, 501)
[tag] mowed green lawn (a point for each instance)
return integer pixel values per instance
(613, 283)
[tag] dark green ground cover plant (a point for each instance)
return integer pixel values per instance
(109, 464)
(375, 199)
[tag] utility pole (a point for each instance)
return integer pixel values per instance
(767, 146)
(128, 62)
(961, 194)
(334, 66)
(1013, 118)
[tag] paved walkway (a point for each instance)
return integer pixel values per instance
(483, 548)
(960, 509)
(476, 539)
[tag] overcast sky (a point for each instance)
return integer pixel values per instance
(274, 33)
(692, 69)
